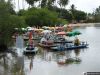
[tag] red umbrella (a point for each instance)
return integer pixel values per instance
(61, 33)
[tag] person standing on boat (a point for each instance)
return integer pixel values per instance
(31, 44)
(77, 41)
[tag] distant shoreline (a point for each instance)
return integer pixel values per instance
(85, 24)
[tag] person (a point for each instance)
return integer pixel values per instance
(43, 41)
(76, 42)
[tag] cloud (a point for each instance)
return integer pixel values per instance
(85, 5)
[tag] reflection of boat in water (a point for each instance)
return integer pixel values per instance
(69, 47)
(30, 49)
(69, 61)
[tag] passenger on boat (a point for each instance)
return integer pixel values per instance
(43, 41)
(49, 42)
(77, 42)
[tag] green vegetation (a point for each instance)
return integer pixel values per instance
(8, 21)
(40, 17)
(95, 16)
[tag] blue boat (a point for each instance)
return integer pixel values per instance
(69, 47)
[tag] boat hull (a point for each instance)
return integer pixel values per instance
(46, 46)
(31, 51)
(69, 48)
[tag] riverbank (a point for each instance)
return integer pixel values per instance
(85, 24)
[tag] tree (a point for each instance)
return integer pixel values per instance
(96, 14)
(72, 11)
(80, 16)
(63, 3)
(21, 12)
(7, 23)
(47, 3)
(31, 2)
(40, 17)
(43, 3)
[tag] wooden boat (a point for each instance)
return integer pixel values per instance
(70, 47)
(30, 50)
(46, 46)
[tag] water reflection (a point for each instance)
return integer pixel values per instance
(9, 65)
(61, 58)
(19, 64)
(29, 59)
(46, 62)
(77, 52)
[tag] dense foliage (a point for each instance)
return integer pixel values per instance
(97, 14)
(40, 17)
(8, 22)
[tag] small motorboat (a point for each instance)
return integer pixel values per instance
(30, 49)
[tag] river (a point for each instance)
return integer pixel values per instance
(45, 62)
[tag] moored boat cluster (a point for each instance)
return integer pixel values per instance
(53, 38)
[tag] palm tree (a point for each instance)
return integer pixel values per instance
(31, 2)
(62, 4)
(43, 3)
(72, 11)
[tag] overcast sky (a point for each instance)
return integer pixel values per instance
(84, 5)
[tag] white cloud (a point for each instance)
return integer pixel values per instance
(84, 5)
(22, 4)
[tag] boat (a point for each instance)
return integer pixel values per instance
(46, 45)
(69, 47)
(30, 49)
(61, 39)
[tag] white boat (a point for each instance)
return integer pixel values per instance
(30, 49)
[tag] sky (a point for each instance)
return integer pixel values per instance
(85, 5)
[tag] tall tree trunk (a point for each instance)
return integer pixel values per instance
(18, 5)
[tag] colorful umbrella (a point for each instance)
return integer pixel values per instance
(61, 33)
(73, 33)
(46, 31)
